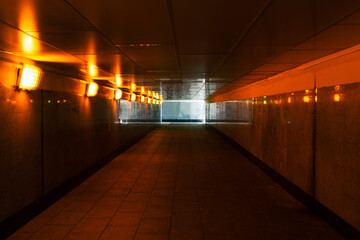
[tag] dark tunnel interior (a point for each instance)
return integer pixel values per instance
(179, 119)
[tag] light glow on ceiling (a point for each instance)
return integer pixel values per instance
(118, 80)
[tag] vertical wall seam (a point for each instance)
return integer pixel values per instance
(42, 141)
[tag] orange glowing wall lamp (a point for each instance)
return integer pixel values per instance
(118, 94)
(29, 77)
(92, 89)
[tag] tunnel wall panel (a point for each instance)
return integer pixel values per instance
(52, 134)
(313, 138)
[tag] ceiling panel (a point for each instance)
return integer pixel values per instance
(153, 58)
(128, 22)
(211, 26)
(199, 63)
(329, 12)
(42, 15)
(165, 76)
(276, 67)
(227, 43)
(13, 40)
(86, 42)
(352, 19)
(301, 56)
(283, 23)
(336, 38)
(113, 63)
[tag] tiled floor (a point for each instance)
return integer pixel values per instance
(179, 182)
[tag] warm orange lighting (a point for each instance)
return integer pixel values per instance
(157, 102)
(118, 80)
(161, 101)
(265, 102)
(92, 89)
(149, 99)
(92, 70)
(142, 99)
(315, 98)
(28, 43)
(306, 99)
(337, 88)
(142, 90)
(289, 100)
(306, 91)
(133, 87)
(154, 94)
(30, 77)
(149, 93)
(154, 101)
(276, 102)
(118, 94)
(161, 97)
(337, 97)
(133, 97)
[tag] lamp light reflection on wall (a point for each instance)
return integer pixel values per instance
(29, 77)
(133, 87)
(149, 93)
(289, 100)
(265, 102)
(336, 97)
(142, 90)
(133, 97)
(92, 89)
(92, 70)
(118, 94)
(149, 99)
(118, 80)
(306, 99)
(142, 99)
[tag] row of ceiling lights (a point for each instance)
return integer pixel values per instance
(29, 79)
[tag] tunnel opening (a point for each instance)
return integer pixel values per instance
(183, 112)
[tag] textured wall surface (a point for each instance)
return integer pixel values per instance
(50, 135)
(278, 132)
(311, 136)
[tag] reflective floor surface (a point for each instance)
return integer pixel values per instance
(179, 182)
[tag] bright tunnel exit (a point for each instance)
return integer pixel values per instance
(183, 111)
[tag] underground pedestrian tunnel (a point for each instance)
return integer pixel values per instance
(179, 119)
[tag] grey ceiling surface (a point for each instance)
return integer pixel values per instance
(188, 49)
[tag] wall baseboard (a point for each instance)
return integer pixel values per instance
(23, 216)
(339, 224)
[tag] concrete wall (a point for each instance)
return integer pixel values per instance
(50, 135)
(309, 136)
